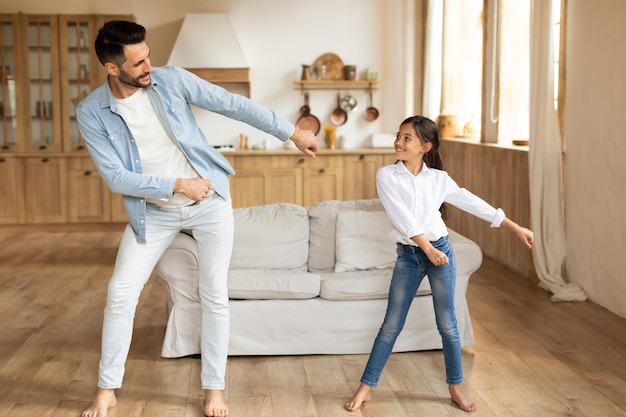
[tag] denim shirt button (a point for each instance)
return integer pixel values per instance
(141, 221)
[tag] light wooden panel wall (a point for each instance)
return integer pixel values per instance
(499, 176)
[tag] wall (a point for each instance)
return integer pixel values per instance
(595, 138)
(277, 36)
(500, 176)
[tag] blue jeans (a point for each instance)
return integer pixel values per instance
(411, 267)
(213, 228)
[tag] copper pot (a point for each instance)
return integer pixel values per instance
(339, 115)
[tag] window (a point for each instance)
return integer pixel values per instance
(462, 58)
(514, 71)
(485, 66)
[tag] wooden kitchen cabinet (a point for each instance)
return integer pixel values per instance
(80, 69)
(40, 88)
(46, 190)
(321, 183)
(11, 126)
(12, 191)
(360, 175)
(118, 211)
(390, 158)
(247, 187)
(286, 178)
(320, 177)
(89, 198)
(254, 187)
(266, 180)
(47, 65)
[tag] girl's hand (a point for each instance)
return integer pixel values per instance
(437, 257)
(523, 233)
(526, 236)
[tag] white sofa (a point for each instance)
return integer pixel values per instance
(308, 281)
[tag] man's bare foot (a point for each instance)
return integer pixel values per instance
(360, 396)
(460, 399)
(214, 405)
(105, 399)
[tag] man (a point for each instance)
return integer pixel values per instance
(146, 144)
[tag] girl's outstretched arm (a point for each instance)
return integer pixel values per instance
(523, 233)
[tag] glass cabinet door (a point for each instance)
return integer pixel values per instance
(79, 75)
(43, 86)
(9, 127)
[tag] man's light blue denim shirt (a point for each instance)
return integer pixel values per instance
(172, 91)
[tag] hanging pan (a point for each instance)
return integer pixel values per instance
(371, 113)
(307, 121)
(339, 116)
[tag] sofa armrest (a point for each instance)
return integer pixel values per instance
(468, 254)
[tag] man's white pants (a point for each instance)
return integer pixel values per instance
(211, 221)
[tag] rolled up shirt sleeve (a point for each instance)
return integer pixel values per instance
(476, 206)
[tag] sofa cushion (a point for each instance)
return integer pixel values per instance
(322, 223)
(362, 241)
(273, 236)
(272, 284)
(361, 285)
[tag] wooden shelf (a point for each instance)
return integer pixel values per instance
(336, 84)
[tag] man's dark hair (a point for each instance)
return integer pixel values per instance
(114, 36)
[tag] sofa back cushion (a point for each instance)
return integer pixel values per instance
(273, 236)
(362, 241)
(322, 218)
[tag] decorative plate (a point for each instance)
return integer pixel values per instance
(334, 66)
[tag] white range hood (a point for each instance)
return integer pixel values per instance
(207, 45)
(207, 40)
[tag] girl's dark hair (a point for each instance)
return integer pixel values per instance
(114, 36)
(428, 132)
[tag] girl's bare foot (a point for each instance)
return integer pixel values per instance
(214, 405)
(105, 399)
(460, 399)
(360, 396)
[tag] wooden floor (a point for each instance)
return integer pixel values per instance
(532, 357)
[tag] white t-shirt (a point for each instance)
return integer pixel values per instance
(160, 157)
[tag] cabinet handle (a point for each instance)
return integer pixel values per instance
(2, 160)
(44, 160)
(43, 147)
(80, 147)
(301, 161)
(322, 170)
(87, 173)
(362, 157)
(5, 147)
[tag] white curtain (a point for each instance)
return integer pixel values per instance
(433, 47)
(545, 162)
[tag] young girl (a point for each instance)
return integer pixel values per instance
(413, 191)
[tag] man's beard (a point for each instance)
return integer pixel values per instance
(125, 78)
